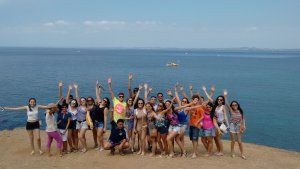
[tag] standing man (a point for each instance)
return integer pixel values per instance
(119, 103)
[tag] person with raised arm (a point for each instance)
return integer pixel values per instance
(72, 132)
(52, 131)
(118, 103)
(99, 116)
(162, 128)
(237, 124)
(130, 118)
(63, 122)
(81, 125)
(182, 114)
(140, 125)
(33, 122)
(174, 129)
(196, 116)
(220, 113)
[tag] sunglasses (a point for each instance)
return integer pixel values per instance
(234, 105)
(104, 100)
(184, 101)
(140, 103)
(130, 100)
(121, 96)
(220, 99)
(89, 100)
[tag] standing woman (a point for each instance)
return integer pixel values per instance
(130, 118)
(219, 110)
(208, 128)
(140, 124)
(151, 121)
(174, 130)
(33, 124)
(72, 132)
(162, 129)
(237, 124)
(99, 116)
(81, 125)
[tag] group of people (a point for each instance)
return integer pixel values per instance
(150, 120)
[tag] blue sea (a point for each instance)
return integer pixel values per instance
(265, 82)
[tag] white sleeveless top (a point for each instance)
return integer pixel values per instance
(32, 116)
(51, 123)
(220, 114)
(73, 113)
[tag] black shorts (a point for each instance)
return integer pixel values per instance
(32, 125)
(72, 125)
(162, 130)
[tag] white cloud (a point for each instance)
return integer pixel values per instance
(146, 23)
(251, 29)
(56, 23)
(104, 23)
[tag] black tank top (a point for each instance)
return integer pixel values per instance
(99, 114)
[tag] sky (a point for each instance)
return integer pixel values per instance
(151, 23)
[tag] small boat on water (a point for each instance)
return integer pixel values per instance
(172, 64)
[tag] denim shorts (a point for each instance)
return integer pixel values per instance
(183, 128)
(208, 132)
(99, 124)
(81, 125)
(129, 124)
(162, 130)
(194, 133)
(174, 128)
(72, 125)
(235, 128)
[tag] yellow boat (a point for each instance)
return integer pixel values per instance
(172, 64)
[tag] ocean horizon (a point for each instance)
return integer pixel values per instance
(264, 81)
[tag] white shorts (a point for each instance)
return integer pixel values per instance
(64, 137)
(183, 128)
(174, 128)
(81, 125)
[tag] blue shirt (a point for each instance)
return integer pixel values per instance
(182, 117)
(64, 120)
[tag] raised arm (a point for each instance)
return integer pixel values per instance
(212, 91)
(76, 93)
(191, 90)
(146, 92)
(60, 85)
(225, 116)
(183, 92)
(68, 94)
(98, 92)
(137, 95)
(169, 108)
(205, 92)
(177, 96)
(149, 91)
(130, 76)
(226, 100)
(110, 89)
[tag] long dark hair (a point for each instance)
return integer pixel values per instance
(30, 108)
(212, 112)
(172, 106)
(216, 102)
(239, 107)
(107, 103)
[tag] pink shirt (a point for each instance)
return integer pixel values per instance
(207, 122)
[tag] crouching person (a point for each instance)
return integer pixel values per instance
(118, 137)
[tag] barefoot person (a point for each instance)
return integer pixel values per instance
(63, 122)
(118, 137)
(237, 124)
(81, 125)
(118, 103)
(52, 131)
(140, 125)
(33, 124)
(208, 129)
(221, 116)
